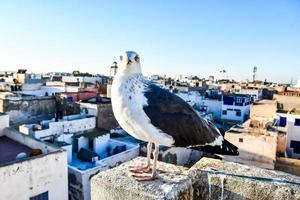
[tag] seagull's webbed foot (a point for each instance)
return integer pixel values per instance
(144, 177)
(148, 176)
(144, 168)
(140, 169)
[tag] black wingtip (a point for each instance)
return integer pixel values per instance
(226, 149)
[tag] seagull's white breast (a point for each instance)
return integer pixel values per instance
(128, 101)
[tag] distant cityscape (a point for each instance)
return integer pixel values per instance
(59, 128)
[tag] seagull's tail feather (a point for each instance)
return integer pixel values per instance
(226, 149)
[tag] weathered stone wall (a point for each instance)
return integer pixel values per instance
(24, 109)
(288, 102)
(262, 154)
(215, 179)
(106, 118)
(288, 165)
(207, 179)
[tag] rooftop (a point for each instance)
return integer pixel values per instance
(114, 149)
(92, 134)
(9, 149)
(44, 124)
(238, 129)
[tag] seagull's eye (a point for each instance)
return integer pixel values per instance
(121, 58)
(137, 59)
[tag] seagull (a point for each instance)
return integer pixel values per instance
(159, 117)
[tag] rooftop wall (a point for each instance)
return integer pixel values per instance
(207, 179)
(27, 178)
(29, 141)
(288, 165)
(255, 149)
(23, 109)
(263, 109)
(69, 124)
(289, 102)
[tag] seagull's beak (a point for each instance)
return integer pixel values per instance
(125, 57)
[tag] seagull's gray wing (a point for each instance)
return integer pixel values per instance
(174, 116)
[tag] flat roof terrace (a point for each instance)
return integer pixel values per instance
(9, 149)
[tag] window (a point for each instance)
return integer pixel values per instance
(224, 112)
(238, 113)
(297, 122)
(282, 121)
(227, 100)
(239, 100)
(241, 140)
(296, 146)
(43, 196)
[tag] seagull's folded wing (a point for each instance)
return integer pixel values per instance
(174, 116)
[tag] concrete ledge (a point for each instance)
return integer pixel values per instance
(207, 179)
(118, 183)
(215, 179)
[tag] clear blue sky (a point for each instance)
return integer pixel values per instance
(172, 37)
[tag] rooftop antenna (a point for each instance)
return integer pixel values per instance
(254, 72)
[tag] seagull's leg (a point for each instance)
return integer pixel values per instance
(148, 177)
(155, 158)
(141, 169)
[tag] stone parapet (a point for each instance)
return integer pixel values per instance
(207, 179)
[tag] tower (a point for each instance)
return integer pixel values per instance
(113, 69)
(254, 72)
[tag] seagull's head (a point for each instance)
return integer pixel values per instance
(130, 63)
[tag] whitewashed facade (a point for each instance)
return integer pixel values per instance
(256, 94)
(291, 123)
(45, 175)
(69, 124)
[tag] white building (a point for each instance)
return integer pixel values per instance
(81, 79)
(95, 152)
(30, 169)
(45, 91)
(231, 107)
(47, 129)
(204, 104)
(89, 150)
(290, 122)
(236, 107)
(255, 93)
(257, 146)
